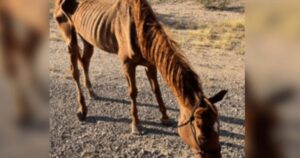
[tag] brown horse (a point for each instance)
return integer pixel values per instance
(130, 29)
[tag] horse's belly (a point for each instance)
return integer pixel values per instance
(107, 43)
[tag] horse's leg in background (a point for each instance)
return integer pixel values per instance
(74, 51)
(151, 72)
(88, 51)
(129, 71)
(30, 53)
(10, 51)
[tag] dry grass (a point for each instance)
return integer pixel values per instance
(228, 35)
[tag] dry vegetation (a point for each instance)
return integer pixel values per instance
(211, 29)
(227, 35)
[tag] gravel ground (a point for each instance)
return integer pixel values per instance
(106, 131)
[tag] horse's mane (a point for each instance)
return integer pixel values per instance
(160, 50)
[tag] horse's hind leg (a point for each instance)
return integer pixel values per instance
(129, 71)
(75, 56)
(88, 51)
(151, 72)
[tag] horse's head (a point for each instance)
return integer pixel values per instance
(200, 129)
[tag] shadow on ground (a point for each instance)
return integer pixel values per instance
(236, 9)
(183, 23)
(226, 119)
(155, 131)
(180, 23)
(123, 101)
(239, 147)
(95, 119)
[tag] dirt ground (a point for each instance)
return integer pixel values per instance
(106, 131)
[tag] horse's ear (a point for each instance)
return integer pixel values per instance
(218, 97)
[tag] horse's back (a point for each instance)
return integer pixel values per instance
(107, 25)
(94, 21)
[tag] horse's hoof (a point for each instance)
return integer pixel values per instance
(92, 95)
(135, 130)
(136, 133)
(81, 115)
(167, 122)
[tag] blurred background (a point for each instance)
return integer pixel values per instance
(272, 78)
(23, 78)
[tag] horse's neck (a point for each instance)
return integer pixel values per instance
(160, 50)
(183, 81)
(177, 72)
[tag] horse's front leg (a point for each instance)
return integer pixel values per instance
(129, 72)
(151, 72)
(74, 54)
(88, 51)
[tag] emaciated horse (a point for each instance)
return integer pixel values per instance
(130, 29)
